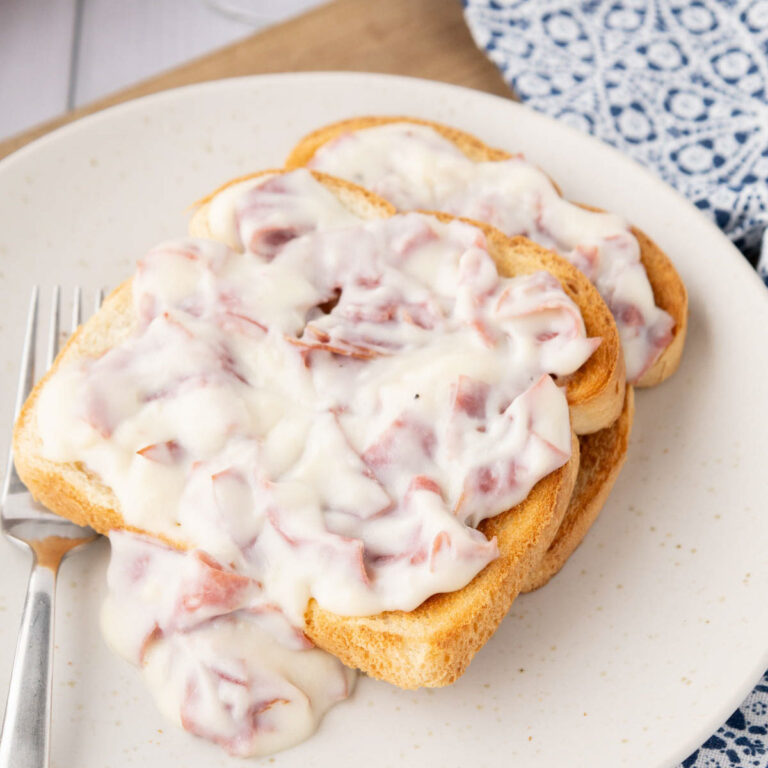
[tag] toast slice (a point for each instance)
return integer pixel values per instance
(433, 644)
(668, 289)
(602, 457)
(596, 392)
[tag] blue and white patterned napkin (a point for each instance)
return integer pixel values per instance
(682, 87)
(679, 85)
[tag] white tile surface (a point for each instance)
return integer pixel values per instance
(35, 46)
(121, 42)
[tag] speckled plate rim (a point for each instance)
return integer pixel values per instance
(733, 263)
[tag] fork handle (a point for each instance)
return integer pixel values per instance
(26, 727)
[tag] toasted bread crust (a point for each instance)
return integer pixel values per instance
(347, 192)
(670, 294)
(602, 456)
(470, 145)
(668, 289)
(596, 391)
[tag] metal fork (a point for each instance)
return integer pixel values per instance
(25, 738)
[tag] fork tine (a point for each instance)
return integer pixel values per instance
(76, 309)
(98, 299)
(11, 482)
(27, 371)
(53, 329)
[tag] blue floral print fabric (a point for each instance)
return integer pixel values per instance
(680, 85)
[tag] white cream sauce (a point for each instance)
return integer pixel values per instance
(328, 412)
(414, 167)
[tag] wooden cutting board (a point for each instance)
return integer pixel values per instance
(420, 38)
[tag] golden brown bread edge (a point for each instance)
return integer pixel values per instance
(668, 289)
(429, 646)
(596, 391)
(602, 456)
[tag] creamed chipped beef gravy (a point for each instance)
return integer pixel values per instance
(327, 412)
(414, 167)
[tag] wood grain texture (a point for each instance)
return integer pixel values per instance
(420, 38)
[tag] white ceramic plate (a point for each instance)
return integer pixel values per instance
(657, 626)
